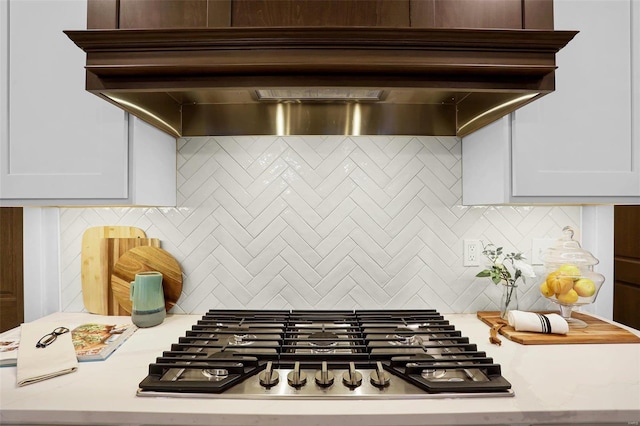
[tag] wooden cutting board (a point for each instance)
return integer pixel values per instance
(111, 250)
(142, 259)
(93, 271)
(597, 331)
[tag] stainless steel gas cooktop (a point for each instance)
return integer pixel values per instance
(367, 354)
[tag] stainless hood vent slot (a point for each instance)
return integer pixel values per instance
(301, 94)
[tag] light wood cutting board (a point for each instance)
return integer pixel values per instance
(598, 331)
(95, 281)
(142, 259)
(112, 249)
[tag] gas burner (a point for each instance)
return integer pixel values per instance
(427, 373)
(215, 374)
(433, 373)
(241, 339)
(240, 335)
(323, 341)
(402, 336)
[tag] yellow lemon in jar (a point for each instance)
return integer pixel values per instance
(545, 290)
(553, 274)
(569, 270)
(559, 283)
(568, 298)
(585, 287)
(550, 280)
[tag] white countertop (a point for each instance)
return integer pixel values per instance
(593, 383)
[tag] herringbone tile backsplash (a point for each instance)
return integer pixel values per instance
(322, 222)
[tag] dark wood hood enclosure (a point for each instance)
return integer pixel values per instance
(259, 67)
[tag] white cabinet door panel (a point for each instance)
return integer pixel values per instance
(62, 142)
(578, 140)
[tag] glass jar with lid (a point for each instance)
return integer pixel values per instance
(569, 278)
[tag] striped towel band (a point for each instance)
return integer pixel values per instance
(545, 324)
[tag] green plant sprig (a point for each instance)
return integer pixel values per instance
(498, 272)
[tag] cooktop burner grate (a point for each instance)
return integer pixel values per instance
(324, 354)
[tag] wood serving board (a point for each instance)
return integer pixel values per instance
(143, 259)
(111, 250)
(93, 271)
(597, 331)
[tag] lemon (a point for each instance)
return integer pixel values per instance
(584, 287)
(569, 270)
(545, 290)
(558, 283)
(568, 298)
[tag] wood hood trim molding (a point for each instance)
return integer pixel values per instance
(193, 82)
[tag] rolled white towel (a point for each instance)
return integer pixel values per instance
(540, 323)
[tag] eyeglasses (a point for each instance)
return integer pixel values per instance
(48, 339)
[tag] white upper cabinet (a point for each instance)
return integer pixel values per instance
(59, 143)
(578, 140)
(579, 144)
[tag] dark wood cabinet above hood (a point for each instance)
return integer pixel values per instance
(193, 79)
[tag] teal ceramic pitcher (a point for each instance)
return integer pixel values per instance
(147, 299)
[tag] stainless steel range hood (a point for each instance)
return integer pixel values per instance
(320, 80)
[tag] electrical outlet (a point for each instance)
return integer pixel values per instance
(471, 252)
(539, 246)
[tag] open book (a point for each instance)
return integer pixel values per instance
(95, 342)
(92, 342)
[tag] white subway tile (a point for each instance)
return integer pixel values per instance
(322, 222)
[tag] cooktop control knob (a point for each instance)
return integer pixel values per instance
(379, 377)
(352, 379)
(324, 377)
(268, 377)
(297, 378)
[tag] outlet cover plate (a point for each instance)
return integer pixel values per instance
(471, 252)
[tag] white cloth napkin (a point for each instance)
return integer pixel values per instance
(37, 364)
(540, 323)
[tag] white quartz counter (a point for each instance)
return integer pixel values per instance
(553, 384)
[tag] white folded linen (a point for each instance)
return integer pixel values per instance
(540, 323)
(37, 364)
